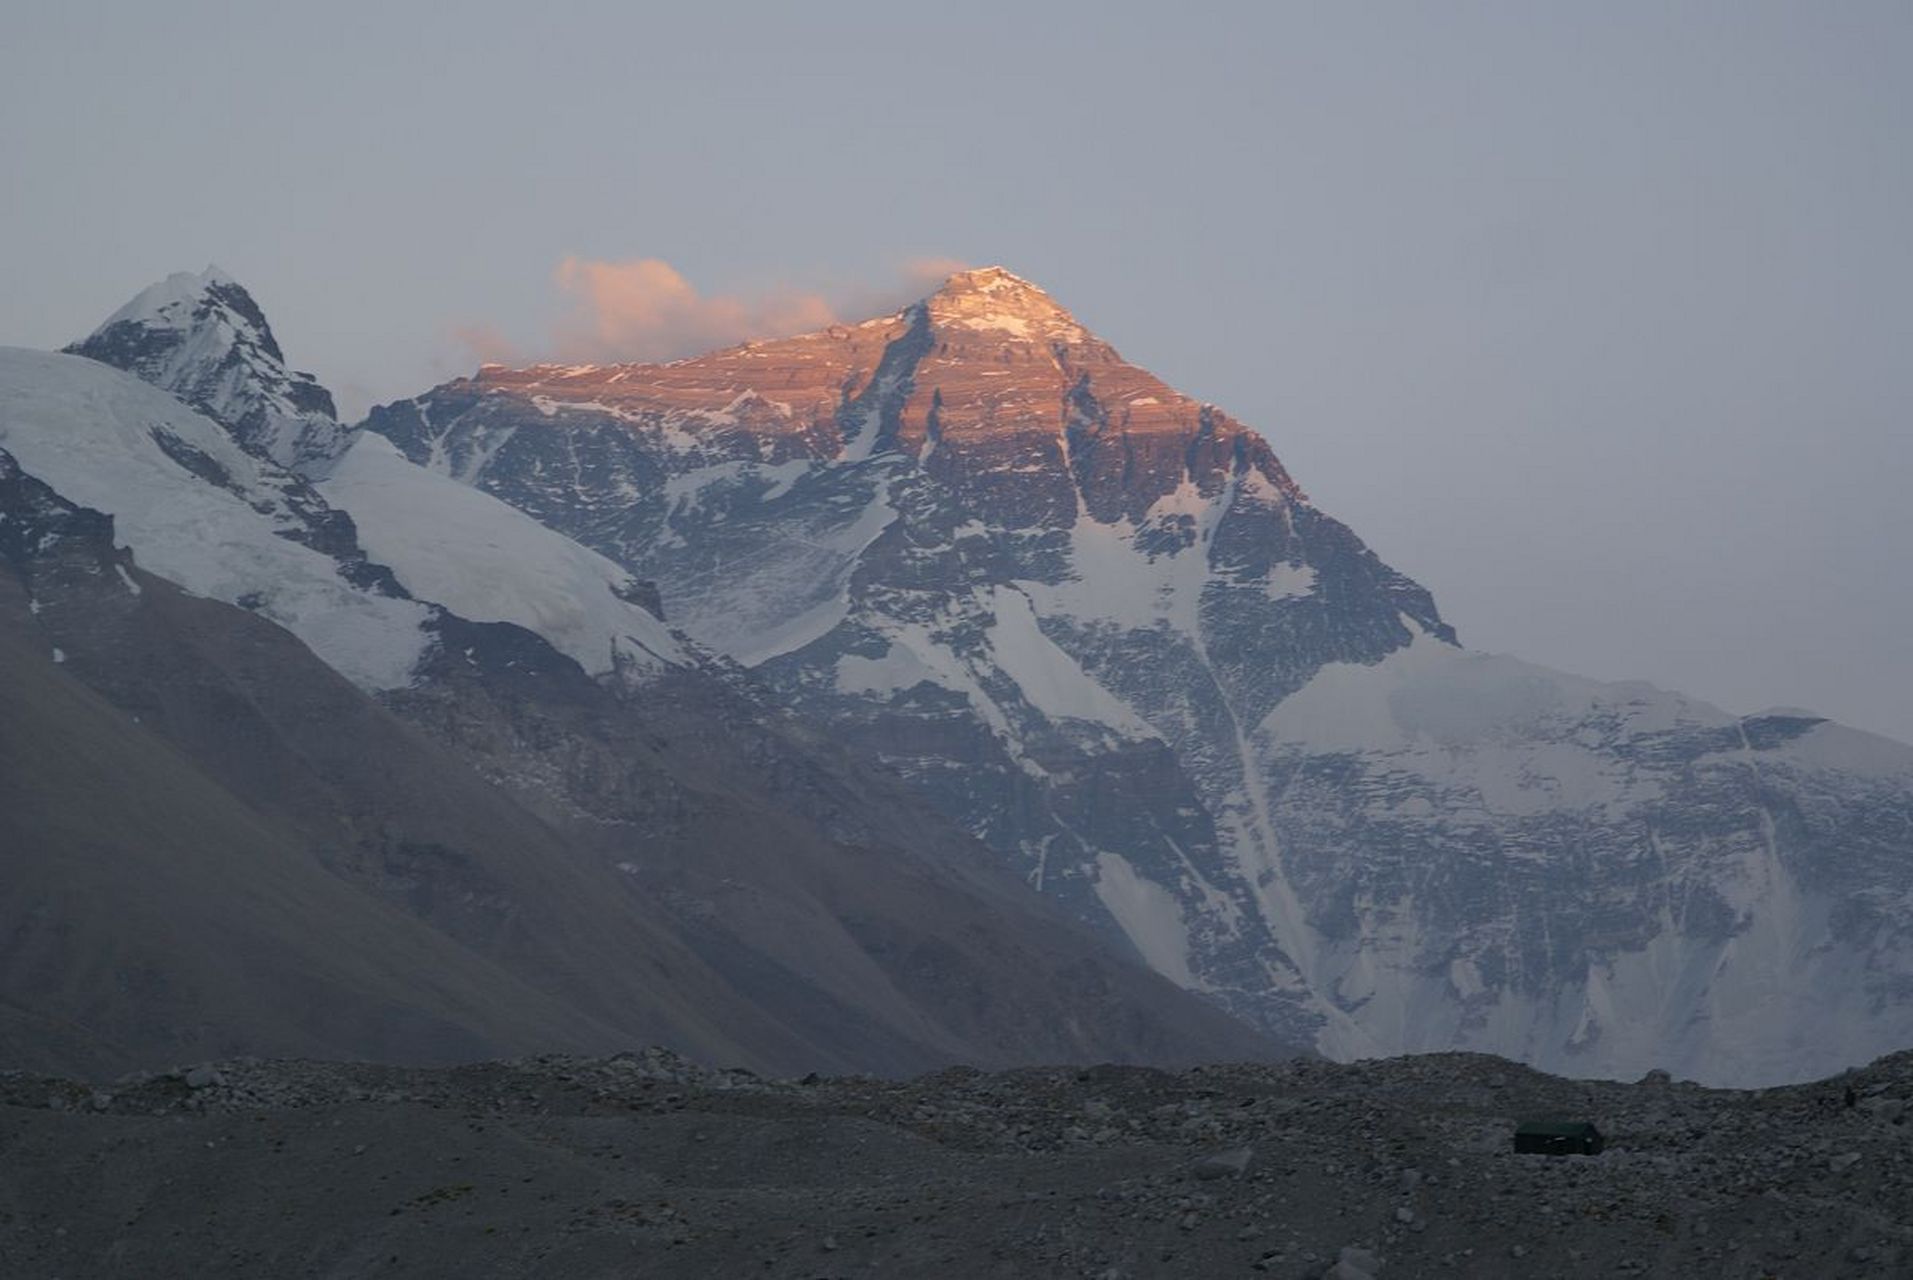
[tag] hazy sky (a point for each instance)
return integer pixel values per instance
(1596, 318)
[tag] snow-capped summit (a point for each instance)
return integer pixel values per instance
(203, 338)
(160, 304)
(994, 300)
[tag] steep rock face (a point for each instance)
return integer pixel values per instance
(1097, 624)
(40, 529)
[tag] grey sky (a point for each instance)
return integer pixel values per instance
(1595, 318)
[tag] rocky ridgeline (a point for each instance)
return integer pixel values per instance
(647, 1164)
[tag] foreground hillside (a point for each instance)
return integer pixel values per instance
(645, 1165)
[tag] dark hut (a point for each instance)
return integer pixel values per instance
(1558, 1138)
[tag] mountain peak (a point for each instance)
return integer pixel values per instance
(202, 337)
(990, 279)
(172, 302)
(992, 299)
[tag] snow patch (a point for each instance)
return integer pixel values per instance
(1050, 679)
(792, 590)
(1839, 749)
(1114, 582)
(1149, 915)
(161, 303)
(897, 669)
(1291, 581)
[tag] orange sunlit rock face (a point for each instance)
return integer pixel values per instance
(787, 393)
(993, 380)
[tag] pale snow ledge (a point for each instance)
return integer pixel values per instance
(488, 561)
(1150, 915)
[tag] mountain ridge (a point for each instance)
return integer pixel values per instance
(1097, 624)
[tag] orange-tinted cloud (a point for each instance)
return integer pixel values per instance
(488, 343)
(918, 277)
(932, 271)
(644, 309)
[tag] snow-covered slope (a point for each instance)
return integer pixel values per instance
(203, 338)
(1098, 624)
(199, 509)
(1587, 875)
(490, 562)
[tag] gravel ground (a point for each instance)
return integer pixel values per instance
(644, 1165)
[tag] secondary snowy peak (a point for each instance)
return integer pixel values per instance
(992, 300)
(436, 542)
(203, 338)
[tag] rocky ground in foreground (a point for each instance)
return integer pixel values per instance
(644, 1165)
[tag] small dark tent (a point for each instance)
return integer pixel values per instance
(1558, 1138)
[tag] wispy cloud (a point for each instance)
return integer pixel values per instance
(645, 309)
(488, 342)
(916, 277)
